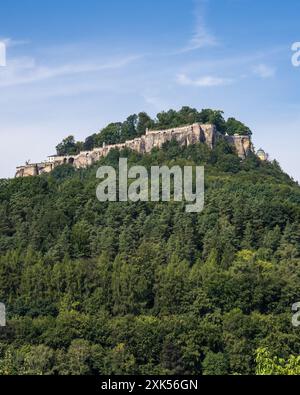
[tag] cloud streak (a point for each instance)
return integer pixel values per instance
(205, 81)
(25, 70)
(264, 71)
(201, 37)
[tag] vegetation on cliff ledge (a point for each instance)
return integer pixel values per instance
(109, 288)
(136, 125)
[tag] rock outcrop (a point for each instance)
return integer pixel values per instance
(185, 135)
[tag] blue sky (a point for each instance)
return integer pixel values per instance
(74, 66)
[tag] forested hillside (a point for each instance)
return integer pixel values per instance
(111, 288)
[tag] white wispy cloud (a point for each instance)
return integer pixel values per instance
(155, 101)
(264, 71)
(202, 37)
(26, 70)
(204, 81)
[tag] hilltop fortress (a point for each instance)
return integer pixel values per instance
(185, 135)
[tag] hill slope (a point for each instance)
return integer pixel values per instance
(108, 288)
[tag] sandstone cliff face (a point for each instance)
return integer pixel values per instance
(185, 135)
(242, 144)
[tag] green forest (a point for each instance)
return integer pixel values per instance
(96, 288)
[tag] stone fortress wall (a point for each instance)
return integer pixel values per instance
(185, 135)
